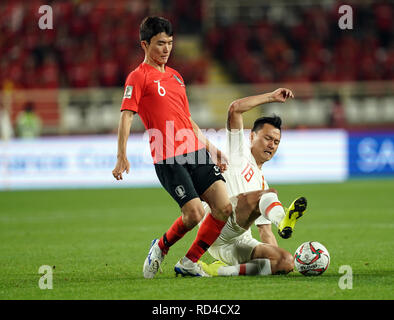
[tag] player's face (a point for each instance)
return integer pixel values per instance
(265, 142)
(159, 48)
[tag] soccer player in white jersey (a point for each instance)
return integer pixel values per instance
(237, 252)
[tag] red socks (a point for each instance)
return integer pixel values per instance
(176, 232)
(207, 234)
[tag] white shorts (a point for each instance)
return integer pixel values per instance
(237, 252)
(234, 244)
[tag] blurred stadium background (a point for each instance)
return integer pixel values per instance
(71, 77)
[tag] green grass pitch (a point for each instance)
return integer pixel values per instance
(96, 242)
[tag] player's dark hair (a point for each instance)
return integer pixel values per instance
(152, 26)
(274, 120)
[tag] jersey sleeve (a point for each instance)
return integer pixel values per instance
(235, 144)
(133, 90)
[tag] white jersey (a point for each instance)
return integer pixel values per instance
(235, 244)
(243, 174)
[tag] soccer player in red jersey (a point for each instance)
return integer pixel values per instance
(179, 150)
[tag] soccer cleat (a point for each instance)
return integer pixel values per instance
(213, 268)
(294, 212)
(186, 267)
(153, 260)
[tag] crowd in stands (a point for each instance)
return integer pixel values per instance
(96, 44)
(91, 44)
(307, 45)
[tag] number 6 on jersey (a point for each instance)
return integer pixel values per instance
(160, 89)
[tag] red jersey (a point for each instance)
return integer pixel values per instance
(161, 102)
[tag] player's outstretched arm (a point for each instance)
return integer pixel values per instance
(122, 164)
(234, 117)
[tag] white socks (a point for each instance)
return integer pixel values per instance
(255, 267)
(271, 207)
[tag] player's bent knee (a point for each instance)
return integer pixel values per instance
(193, 216)
(247, 202)
(222, 213)
(227, 210)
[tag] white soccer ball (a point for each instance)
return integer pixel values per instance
(311, 258)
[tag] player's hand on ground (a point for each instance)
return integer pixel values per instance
(281, 95)
(122, 165)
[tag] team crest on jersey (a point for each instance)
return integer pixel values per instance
(128, 92)
(180, 191)
(179, 80)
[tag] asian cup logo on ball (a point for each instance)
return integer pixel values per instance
(311, 258)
